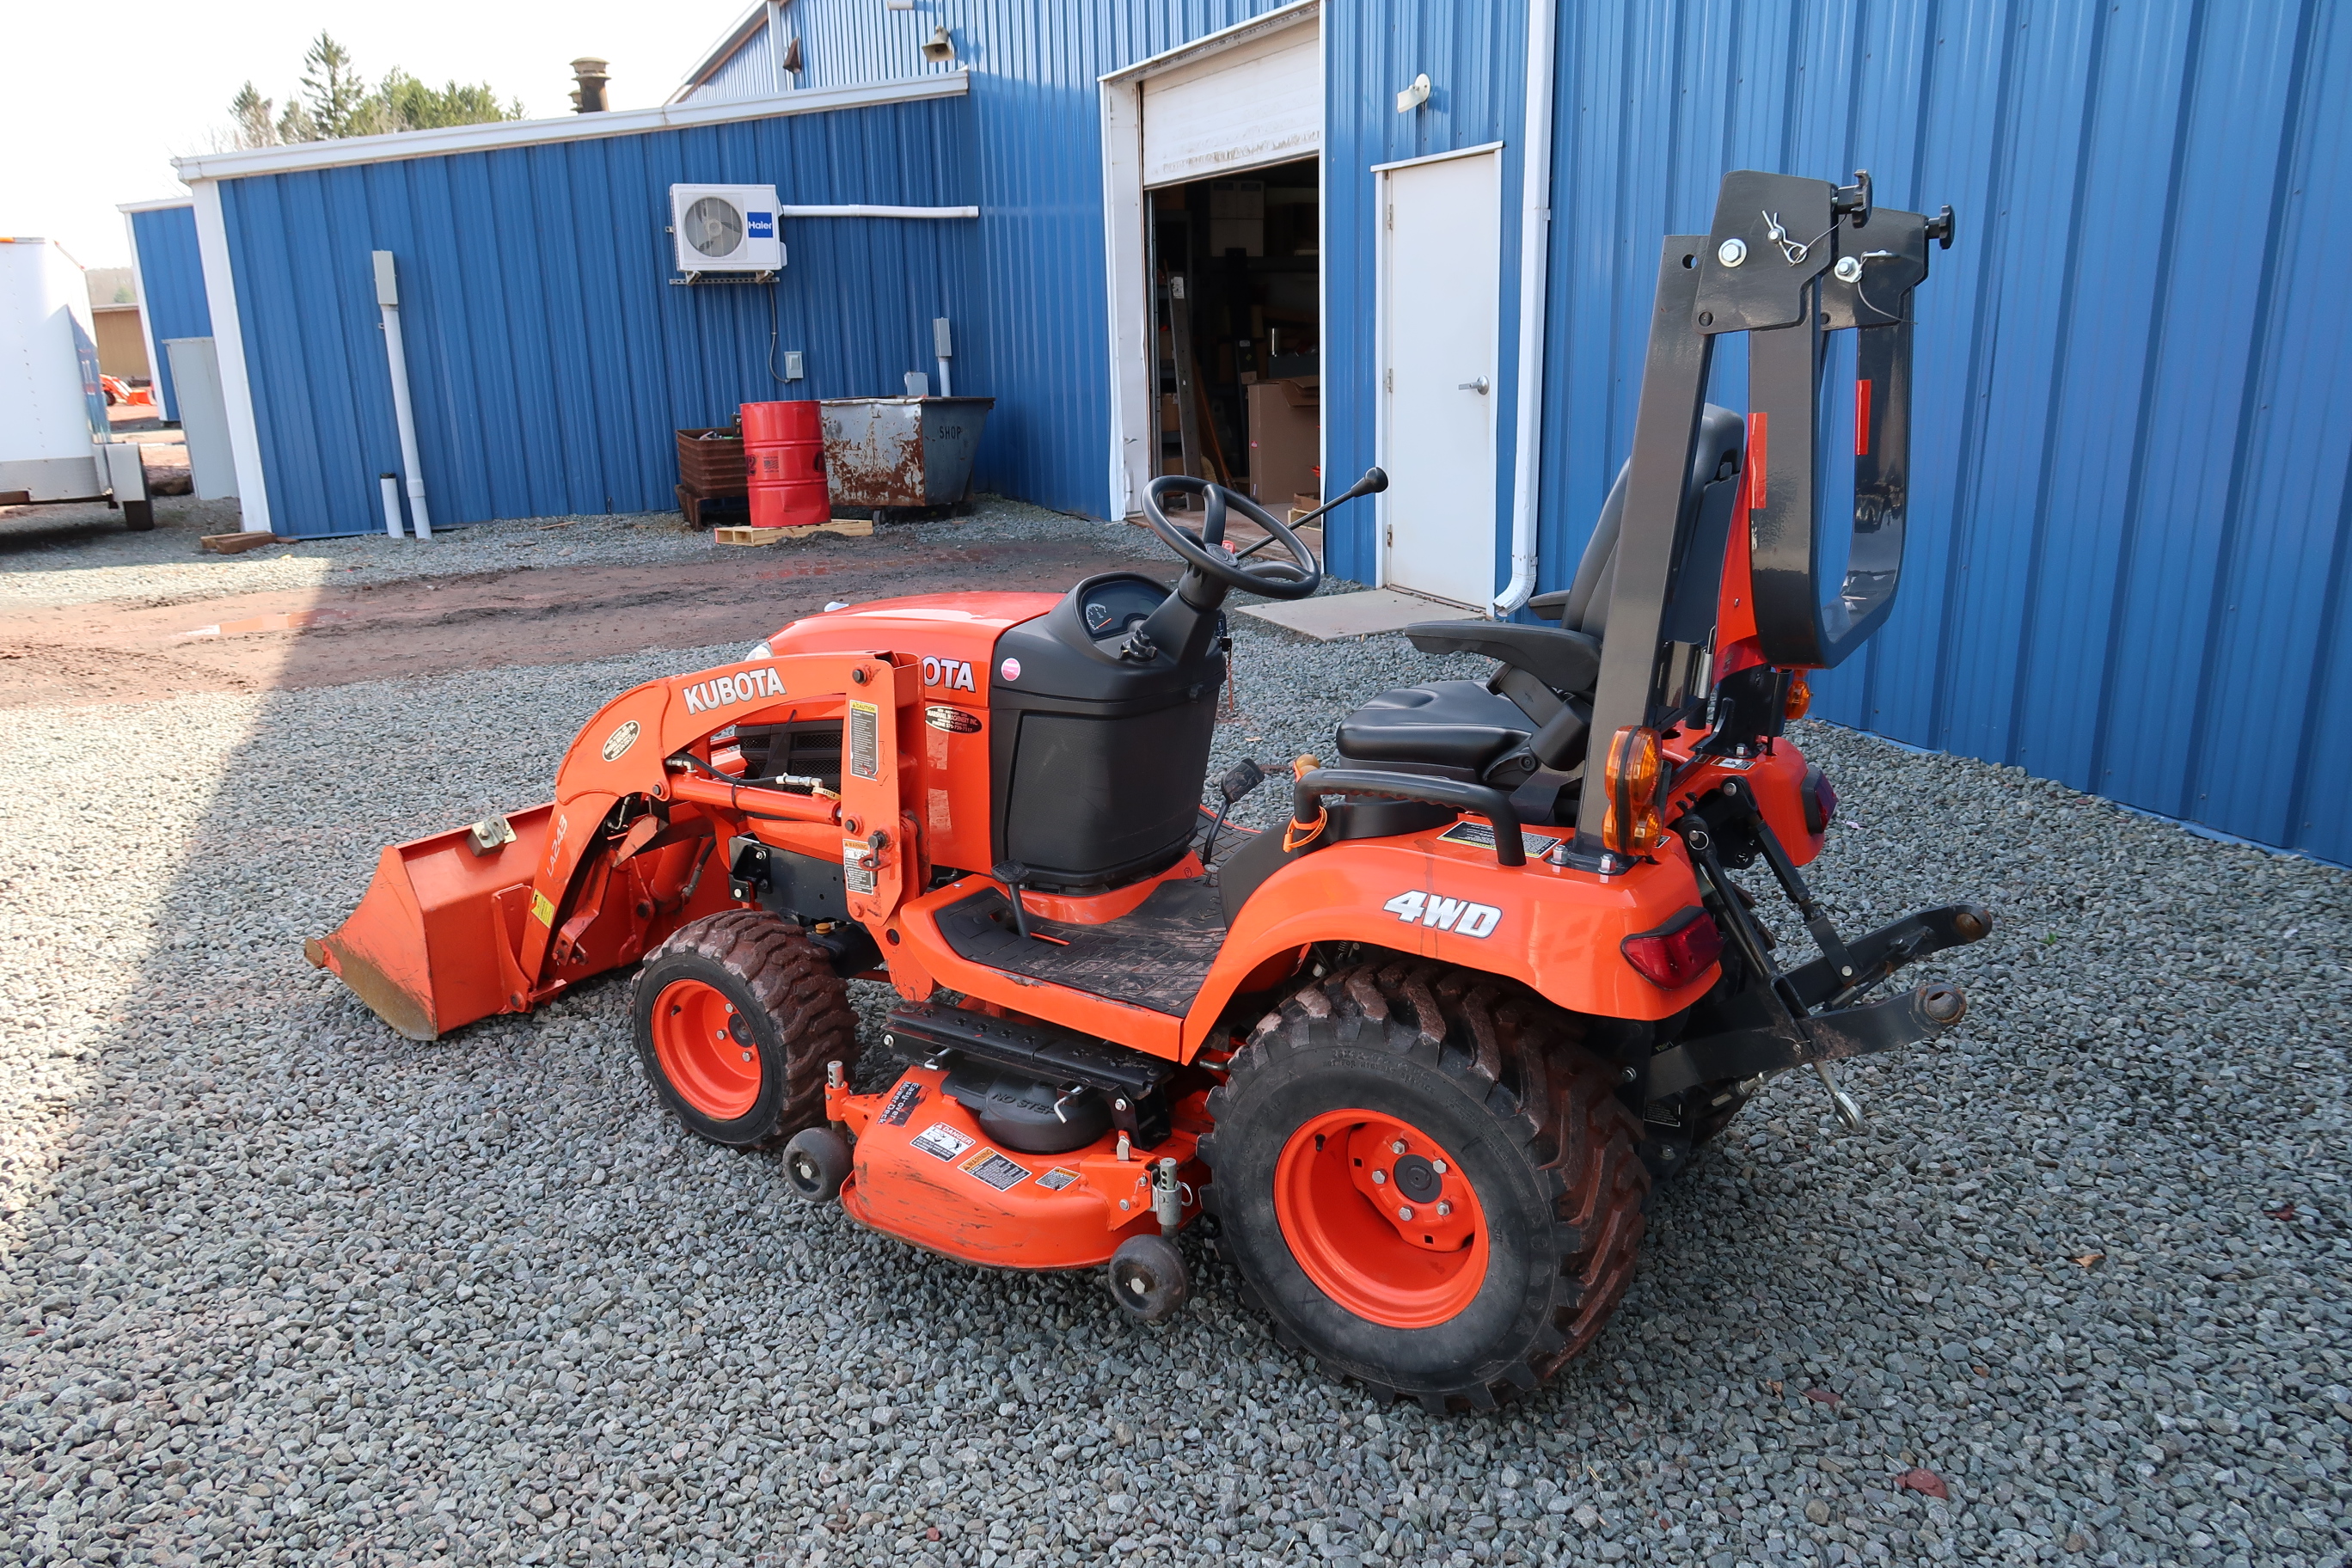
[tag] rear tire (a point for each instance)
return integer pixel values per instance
(1507, 1120)
(735, 1015)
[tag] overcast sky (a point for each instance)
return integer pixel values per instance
(99, 101)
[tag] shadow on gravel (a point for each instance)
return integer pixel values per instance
(299, 1290)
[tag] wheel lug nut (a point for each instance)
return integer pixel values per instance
(1404, 1212)
(1379, 1178)
(1397, 1147)
(1444, 1208)
(1438, 1166)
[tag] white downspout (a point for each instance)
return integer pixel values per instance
(387, 295)
(1535, 268)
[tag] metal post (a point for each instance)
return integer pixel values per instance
(390, 484)
(943, 346)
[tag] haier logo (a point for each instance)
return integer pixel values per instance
(762, 226)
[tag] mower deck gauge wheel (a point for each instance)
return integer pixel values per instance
(816, 1162)
(1145, 1277)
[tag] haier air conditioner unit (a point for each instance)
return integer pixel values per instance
(725, 228)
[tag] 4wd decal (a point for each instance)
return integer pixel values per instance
(951, 674)
(1444, 914)
(746, 686)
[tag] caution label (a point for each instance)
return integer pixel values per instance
(995, 1170)
(940, 1142)
(864, 740)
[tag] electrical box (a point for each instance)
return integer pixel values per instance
(725, 228)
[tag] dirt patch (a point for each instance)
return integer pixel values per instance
(82, 654)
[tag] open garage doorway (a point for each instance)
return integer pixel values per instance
(1213, 225)
(1237, 333)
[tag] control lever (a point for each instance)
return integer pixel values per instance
(1240, 779)
(1374, 481)
(1012, 874)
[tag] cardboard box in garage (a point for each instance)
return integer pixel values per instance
(1285, 440)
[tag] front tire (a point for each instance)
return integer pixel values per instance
(735, 1015)
(1478, 1261)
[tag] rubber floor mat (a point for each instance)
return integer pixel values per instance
(1155, 956)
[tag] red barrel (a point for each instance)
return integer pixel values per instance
(783, 464)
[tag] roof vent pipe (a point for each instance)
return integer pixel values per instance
(1535, 269)
(591, 75)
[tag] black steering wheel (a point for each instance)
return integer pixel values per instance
(1207, 553)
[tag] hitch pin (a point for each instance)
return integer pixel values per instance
(1849, 1110)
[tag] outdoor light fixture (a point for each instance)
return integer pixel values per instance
(1414, 97)
(942, 48)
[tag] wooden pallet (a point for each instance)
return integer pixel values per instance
(237, 543)
(846, 527)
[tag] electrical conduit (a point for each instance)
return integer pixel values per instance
(1535, 268)
(387, 296)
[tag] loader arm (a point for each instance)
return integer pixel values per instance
(451, 932)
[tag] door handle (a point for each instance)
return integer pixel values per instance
(1478, 386)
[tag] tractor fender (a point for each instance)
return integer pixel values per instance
(1555, 929)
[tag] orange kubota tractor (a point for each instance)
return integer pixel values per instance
(1412, 1062)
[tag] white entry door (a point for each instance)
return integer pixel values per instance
(1442, 231)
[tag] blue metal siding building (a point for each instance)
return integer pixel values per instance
(550, 357)
(2132, 518)
(171, 286)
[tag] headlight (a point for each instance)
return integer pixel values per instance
(761, 650)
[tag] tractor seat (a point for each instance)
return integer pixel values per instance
(1539, 704)
(1456, 728)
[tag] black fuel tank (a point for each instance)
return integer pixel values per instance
(1096, 760)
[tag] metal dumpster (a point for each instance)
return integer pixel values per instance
(901, 451)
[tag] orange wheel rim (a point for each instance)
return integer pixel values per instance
(706, 1049)
(1382, 1218)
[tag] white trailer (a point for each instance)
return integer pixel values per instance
(55, 441)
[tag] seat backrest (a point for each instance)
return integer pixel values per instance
(1583, 605)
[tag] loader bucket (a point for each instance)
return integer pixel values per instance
(431, 945)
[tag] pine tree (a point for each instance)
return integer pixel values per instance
(338, 99)
(250, 111)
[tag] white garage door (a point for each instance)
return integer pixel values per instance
(1257, 103)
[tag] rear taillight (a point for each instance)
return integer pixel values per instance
(1678, 951)
(1820, 801)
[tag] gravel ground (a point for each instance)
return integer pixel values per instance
(75, 554)
(286, 1289)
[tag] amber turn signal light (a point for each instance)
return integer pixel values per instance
(1800, 697)
(1632, 777)
(1678, 951)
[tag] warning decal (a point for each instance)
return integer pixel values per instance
(940, 1141)
(903, 1100)
(1483, 835)
(864, 740)
(995, 1170)
(1054, 1180)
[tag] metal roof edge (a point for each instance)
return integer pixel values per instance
(729, 42)
(155, 204)
(444, 140)
(1207, 44)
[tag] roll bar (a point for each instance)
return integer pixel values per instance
(1788, 261)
